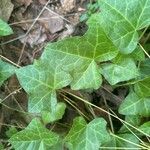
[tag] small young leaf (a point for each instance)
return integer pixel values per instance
(122, 19)
(122, 70)
(51, 116)
(35, 137)
(142, 88)
(6, 70)
(79, 55)
(40, 81)
(83, 136)
(4, 28)
(134, 105)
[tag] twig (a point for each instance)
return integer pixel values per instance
(10, 61)
(144, 51)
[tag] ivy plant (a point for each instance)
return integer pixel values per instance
(110, 51)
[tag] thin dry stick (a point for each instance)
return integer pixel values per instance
(144, 51)
(146, 39)
(26, 113)
(110, 120)
(143, 33)
(92, 111)
(36, 19)
(129, 129)
(31, 20)
(9, 125)
(58, 15)
(15, 98)
(89, 103)
(79, 111)
(128, 141)
(10, 61)
(12, 93)
(23, 47)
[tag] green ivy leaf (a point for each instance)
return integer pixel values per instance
(79, 56)
(122, 69)
(122, 19)
(145, 68)
(35, 137)
(5, 28)
(41, 81)
(142, 88)
(51, 116)
(6, 70)
(138, 54)
(116, 143)
(87, 136)
(145, 128)
(135, 105)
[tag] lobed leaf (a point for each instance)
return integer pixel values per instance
(35, 137)
(79, 55)
(135, 105)
(122, 19)
(87, 136)
(41, 81)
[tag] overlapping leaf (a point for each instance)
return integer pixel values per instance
(4, 28)
(122, 69)
(122, 19)
(35, 137)
(87, 136)
(79, 55)
(6, 70)
(135, 105)
(142, 88)
(41, 81)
